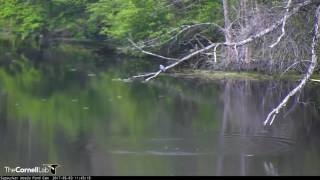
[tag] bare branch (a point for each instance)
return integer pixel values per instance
(315, 80)
(271, 28)
(215, 53)
(184, 29)
(272, 115)
(283, 24)
(294, 64)
(150, 53)
(144, 75)
(183, 59)
(155, 75)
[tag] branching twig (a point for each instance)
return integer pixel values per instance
(283, 25)
(294, 64)
(150, 53)
(184, 29)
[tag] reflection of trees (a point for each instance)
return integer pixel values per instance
(103, 107)
(3, 115)
(245, 105)
(59, 113)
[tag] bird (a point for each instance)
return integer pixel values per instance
(162, 68)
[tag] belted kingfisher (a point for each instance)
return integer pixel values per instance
(162, 68)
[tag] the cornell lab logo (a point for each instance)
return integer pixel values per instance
(46, 168)
(52, 167)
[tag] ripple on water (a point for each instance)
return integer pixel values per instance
(157, 153)
(174, 153)
(253, 145)
(228, 144)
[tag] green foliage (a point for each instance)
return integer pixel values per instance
(21, 17)
(143, 19)
(28, 19)
(96, 19)
(68, 16)
(137, 19)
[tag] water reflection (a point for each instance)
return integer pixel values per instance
(269, 169)
(63, 107)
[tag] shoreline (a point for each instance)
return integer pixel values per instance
(233, 75)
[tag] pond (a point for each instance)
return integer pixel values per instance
(62, 105)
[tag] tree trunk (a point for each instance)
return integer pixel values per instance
(245, 8)
(230, 53)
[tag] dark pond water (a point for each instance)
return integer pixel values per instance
(61, 105)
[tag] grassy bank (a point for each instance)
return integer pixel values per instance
(221, 75)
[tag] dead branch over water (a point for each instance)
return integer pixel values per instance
(272, 115)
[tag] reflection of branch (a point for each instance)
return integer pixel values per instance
(270, 170)
(272, 115)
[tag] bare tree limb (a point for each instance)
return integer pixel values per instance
(184, 29)
(182, 60)
(155, 75)
(150, 53)
(271, 28)
(215, 53)
(272, 115)
(283, 24)
(144, 75)
(315, 80)
(294, 64)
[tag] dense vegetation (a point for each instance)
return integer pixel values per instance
(102, 19)
(175, 28)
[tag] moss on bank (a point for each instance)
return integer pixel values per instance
(221, 75)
